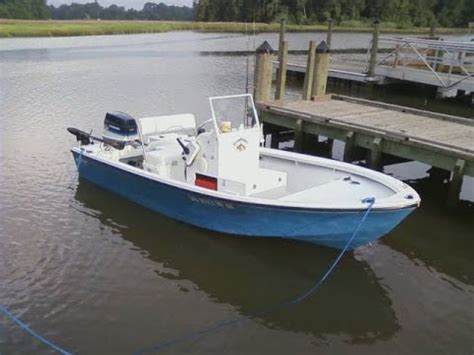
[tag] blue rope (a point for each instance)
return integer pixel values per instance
(27, 329)
(226, 323)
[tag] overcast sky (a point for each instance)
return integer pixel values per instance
(137, 4)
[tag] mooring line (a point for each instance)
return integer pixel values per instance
(226, 323)
(27, 329)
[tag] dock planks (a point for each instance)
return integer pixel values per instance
(436, 139)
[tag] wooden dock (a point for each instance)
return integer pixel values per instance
(447, 84)
(447, 66)
(375, 132)
(435, 139)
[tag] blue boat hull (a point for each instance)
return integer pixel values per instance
(331, 228)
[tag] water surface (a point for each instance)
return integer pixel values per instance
(98, 274)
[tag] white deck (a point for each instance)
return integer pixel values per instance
(312, 183)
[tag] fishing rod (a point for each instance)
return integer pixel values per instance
(87, 138)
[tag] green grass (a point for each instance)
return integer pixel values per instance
(25, 28)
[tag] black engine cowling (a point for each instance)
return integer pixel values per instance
(120, 123)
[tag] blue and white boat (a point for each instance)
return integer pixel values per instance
(219, 176)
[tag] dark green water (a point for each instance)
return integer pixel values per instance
(100, 275)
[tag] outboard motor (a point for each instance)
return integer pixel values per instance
(120, 126)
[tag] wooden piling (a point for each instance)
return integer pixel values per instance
(281, 73)
(309, 141)
(396, 61)
(456, 183)
(374, 49)
(349, 147)
(439, 175)
(282, 31)
(329, 34)
(309, 74)
(438, 58)
(282, 62)
(321, 67)
(263, 73)
(329, 146)
(275, 140)
(433, 29)
(299, 136)
(375, 155)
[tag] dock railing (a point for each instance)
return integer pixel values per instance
(449, 63)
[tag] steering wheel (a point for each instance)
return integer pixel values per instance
(201, 126)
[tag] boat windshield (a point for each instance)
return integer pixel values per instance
(235, 112)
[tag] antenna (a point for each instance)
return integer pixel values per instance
(246, 118)
(254, 46)
(247, 60)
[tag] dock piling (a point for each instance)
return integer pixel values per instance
(329, 34)
(374, 49)
(275, 141)
(299, 136)
(375, 155)
(321, 67)
(349, 147)
(439, 175)
(309, 74)
(281, 72)
(433, 29)
(438, 58)
(456, 183)
(282, 63)
(263, 73)
(282, 30)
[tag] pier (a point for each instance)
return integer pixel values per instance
(447, 66)
(378, 133)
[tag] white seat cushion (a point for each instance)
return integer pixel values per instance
(183, 123)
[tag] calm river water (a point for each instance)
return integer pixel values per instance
(97, 274)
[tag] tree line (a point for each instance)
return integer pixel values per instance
(396, 13)
(23, 9)
(38, 9)
(401, 13)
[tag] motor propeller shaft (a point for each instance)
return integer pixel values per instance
(86, 138)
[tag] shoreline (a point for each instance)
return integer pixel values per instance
(69, 28)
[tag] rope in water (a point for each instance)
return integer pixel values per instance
(27, 329)
(226, 323)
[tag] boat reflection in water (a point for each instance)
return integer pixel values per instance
(252, 274)
(445, 242)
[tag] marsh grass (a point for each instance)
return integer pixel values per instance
(23, 28)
